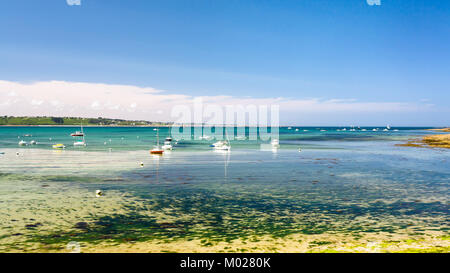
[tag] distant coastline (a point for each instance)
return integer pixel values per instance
(44, 121)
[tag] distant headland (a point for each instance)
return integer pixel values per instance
(74, 121)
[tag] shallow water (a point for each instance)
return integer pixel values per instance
(346, 183)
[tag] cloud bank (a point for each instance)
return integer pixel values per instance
(61, 98)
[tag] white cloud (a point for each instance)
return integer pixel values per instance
(36, 102)
(106, 100)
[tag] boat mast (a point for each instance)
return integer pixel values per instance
(157, 137)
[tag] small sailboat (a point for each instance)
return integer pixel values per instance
(59, 146)
(157, 150)
(217, 144)
(275, 143)
(22, 143)
(33, 142)
(78, 133)
(82, 142)
(222, 146)
(167, 144)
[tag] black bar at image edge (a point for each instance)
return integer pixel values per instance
(174, 262)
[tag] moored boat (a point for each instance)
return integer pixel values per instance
(78, 133)
(157, 150)
(59, 146)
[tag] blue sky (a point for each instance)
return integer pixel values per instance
(323, 49)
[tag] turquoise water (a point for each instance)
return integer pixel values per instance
(136, 138)
(352, 183)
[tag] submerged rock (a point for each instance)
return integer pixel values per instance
(31, 226)
(81, 225)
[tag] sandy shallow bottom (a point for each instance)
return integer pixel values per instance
(45, 207)
(373, 243)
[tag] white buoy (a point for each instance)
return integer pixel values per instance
(98, 193)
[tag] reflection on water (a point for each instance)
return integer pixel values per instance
(333, 188)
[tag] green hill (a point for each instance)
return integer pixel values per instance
(8, 120)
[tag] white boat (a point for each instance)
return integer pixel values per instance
(33, 142)
(79, 144)
(222, 146)
(275, 143)
(296, 130)
(289, 128)
(205, 138)
(167, 145)
(217, 144)
(22, 143)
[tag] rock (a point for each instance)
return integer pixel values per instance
(31, 226)
(81, 225)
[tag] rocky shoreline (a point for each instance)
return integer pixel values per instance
(431, 141)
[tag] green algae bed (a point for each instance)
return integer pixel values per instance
(209, 221)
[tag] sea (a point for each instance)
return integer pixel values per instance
(320, 181)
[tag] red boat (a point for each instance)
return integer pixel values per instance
(157, 149)
(77, 134)
(156, 152)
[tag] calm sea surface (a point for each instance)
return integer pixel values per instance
(347, 182)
